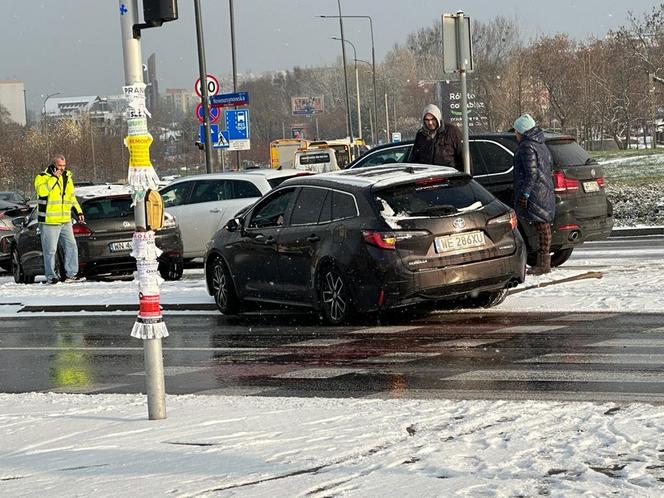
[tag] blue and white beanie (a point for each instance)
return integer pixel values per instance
(524, 123)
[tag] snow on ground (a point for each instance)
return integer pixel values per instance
(78, 445)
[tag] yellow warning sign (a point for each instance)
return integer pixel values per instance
(139, 151)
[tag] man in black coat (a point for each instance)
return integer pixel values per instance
(437, 142)
(533, 186)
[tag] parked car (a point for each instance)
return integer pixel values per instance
(202, 204)
(583, 211)
(15, 197)
(104, 240)
(8, 212)
(363, 240)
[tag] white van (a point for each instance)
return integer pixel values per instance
(316, 160)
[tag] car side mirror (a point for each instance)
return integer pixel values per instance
(20, 221)
(234, 224)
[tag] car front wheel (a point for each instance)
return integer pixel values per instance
(171, 269)
(224, 292)
(335, 300)
(17, 270)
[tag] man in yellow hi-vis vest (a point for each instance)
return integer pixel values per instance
(55, 191)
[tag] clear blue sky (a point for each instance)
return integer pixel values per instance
(74, 47)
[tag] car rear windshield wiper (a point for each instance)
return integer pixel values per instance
(442, 209)
(591, 160)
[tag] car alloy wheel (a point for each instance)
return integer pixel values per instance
(224, 293)
(335, 300)
(17, 271)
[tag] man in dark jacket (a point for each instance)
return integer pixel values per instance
(437, 142)
(533, 186)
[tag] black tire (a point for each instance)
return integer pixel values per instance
(335, 297)
(6, 266)
(486, 299)
(17, 270)
(224, 293)
(561, 256)
(171, 269)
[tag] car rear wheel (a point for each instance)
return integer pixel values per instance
(17, 270)
(561, 256)
(172, 269)
(224, 291)
(335, 299)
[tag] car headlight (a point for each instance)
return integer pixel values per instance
(169, 221)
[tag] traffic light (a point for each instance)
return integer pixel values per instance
(160, 11)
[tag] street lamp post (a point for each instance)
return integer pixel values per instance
(357, 87)
(373, 57)
(372, 119)
(343, 57)
(45, 118)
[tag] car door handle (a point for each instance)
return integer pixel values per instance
(270, 240)
(215, 210)
(313, 238)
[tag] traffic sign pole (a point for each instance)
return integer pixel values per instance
(204, 90)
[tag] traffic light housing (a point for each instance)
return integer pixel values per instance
(160, 11)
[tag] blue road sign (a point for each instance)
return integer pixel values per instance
(214, 133)
(214, 113)
(237, 124)
(230, 99)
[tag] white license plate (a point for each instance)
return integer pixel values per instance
(450, 243)
(590, 186)
(119, 246)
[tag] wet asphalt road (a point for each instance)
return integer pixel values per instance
(559, 356)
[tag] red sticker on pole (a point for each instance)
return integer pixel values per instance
(149, 306)
(212, 85)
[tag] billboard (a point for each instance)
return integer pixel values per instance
(307, 105)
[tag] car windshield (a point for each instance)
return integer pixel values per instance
(110, 207)
(433, 197)
(568, 153)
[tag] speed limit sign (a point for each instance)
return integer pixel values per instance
(212, 85)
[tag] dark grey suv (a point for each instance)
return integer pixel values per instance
(366, 240)
(583, 211)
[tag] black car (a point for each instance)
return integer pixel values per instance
(365, 240)
(583, 211)
(104, 240)
(8, 212)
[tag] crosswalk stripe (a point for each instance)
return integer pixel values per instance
(402, 357)
(553, 375)
(320, 342)
(464, 343)
(593, 358)
(385, 330)
(630, 342)
(318, 373)
(530, 329)
(589, 317)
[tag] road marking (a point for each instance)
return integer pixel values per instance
(385, 330)
(170, 371)
(320, 342)
(552, 375)
(582, 317)
(529, 329)
(404, 357)
(124, 348)
(629, 342)
(318, 373)
(593, 358)
(464, 343)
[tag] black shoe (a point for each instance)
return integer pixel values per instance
(52, 281)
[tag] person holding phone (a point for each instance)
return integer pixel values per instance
(56, 200)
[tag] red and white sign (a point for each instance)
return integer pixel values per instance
(212, 85)
(214, 113)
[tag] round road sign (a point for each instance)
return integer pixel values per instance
(213, 111)
(212, 85)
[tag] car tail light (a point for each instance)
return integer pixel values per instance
(388, 240)
(561, 183)
(568, 227)
(600, 181)
(432, 180)
(384, 240)
(505, 218)
(81, 230)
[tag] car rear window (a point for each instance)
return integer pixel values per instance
(433, 196)
(275, 182)
(568, 153)
(110, 207)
